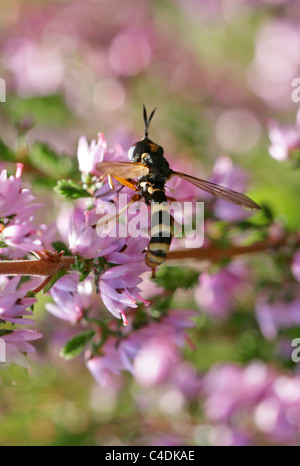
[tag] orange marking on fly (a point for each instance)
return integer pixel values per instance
(154, 147)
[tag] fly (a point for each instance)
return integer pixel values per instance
(152, 171)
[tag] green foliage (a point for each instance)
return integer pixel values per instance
(60, 246)
(77, 344)
(71, 190)
(171, 278)
(54, 279)
(6, 153)
(4, 331)
(47, 161)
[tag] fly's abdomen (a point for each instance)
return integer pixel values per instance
(161, 230)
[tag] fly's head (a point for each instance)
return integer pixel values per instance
(143, 151)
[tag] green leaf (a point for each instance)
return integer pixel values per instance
(171, 278)
(4, 331)
(54, 279)
(47, 161)
(77, 344)
(6, 153)
(71, 190)
(60, 246)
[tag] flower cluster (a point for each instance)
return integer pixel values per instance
(268, 400)
(150, 353)
(15, 309)
(18, 234)
(285, 140)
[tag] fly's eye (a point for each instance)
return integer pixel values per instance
(131, 152)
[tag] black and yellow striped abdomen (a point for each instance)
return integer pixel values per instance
(161, 229)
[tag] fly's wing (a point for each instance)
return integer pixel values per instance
(124, 170)
(219, 191)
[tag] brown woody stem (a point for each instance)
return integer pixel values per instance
(35, 268)
(48, 268)
(214, 253)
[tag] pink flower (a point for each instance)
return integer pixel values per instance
(38, 70)
(155, 361)
(229, 388)
(119, 287)
(22, 236)
(13, 199)
(216, 292)
(84, 239)
(284, 139)
(150, 353)
(71, 298)
(16, 343)
(296, 265)
(170, 329)
(13, 302)
(255, 395)
(281, 313)
(106, 368)
(90, 155)
(130, 53)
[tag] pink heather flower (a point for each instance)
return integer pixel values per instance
(273, 316)
(229, 388)
(90, 155)
(224, 436)
(296, 265)
(278, 414)
(130, 53)
(71, 298)
(13, 199)
(133, 253)
(254, 395)
(157, 343)
(216, 292)
(171, 329)
(22, 236)
(106, 368)
(13, 302)
(284, 139)
(276, 63)
(37, 69)
(155, 361)
(186, 378)
(232, 177)
(119, 287)
(84, 240)
(16, 343)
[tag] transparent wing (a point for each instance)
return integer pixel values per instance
(122, 169)
(219, 191)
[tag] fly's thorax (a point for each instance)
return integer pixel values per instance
(150, 154)
(145, 146)
(152, 192)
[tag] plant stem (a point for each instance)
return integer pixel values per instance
(48, 268)
(35, 268)
(214, 253)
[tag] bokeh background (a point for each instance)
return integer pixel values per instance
(220, 73)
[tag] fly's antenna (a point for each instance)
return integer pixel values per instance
(146, 120)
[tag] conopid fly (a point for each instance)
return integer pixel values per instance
(152, 171)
